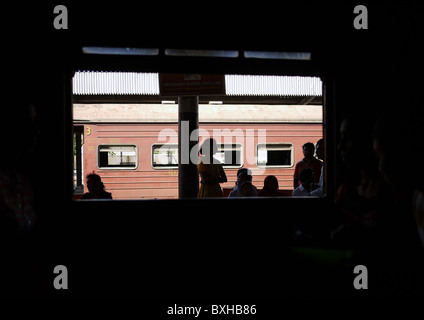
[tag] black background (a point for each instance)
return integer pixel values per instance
(193, 250)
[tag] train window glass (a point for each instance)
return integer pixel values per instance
(117, 157)
(230, 155)
(275, 155)
(164, 156)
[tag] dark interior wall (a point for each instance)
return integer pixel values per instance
(192, 249)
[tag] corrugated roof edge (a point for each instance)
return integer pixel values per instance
(137, 83)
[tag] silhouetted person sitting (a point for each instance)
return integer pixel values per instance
(270, 188)
(309, 161)
(246, 189)
(306, 177)
(243, 175)
(96, 188)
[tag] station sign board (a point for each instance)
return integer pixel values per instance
(184, 84)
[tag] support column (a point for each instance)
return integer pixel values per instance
(188, 121)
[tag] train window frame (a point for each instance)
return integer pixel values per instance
(117, 168)
(327, 127)
(165, 167)
(241, 147)
(275, 144)
(241, 156)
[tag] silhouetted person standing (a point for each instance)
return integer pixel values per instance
(17, 214)
(210, 171)
(402, 255)
(308, 161)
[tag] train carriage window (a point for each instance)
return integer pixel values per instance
(275, 155)
(230, 155)
(165, 156)
(117, 157)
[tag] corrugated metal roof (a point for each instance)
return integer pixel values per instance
(250, 85)
(132, 83)
(119, 83)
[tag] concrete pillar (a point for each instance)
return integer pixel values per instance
(188, 121)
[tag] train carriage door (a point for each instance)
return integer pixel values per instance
(78, 137)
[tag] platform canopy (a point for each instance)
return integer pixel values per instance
(111, 87)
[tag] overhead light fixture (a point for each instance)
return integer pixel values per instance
(202, 53)
(278, 55)
(121, 51)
